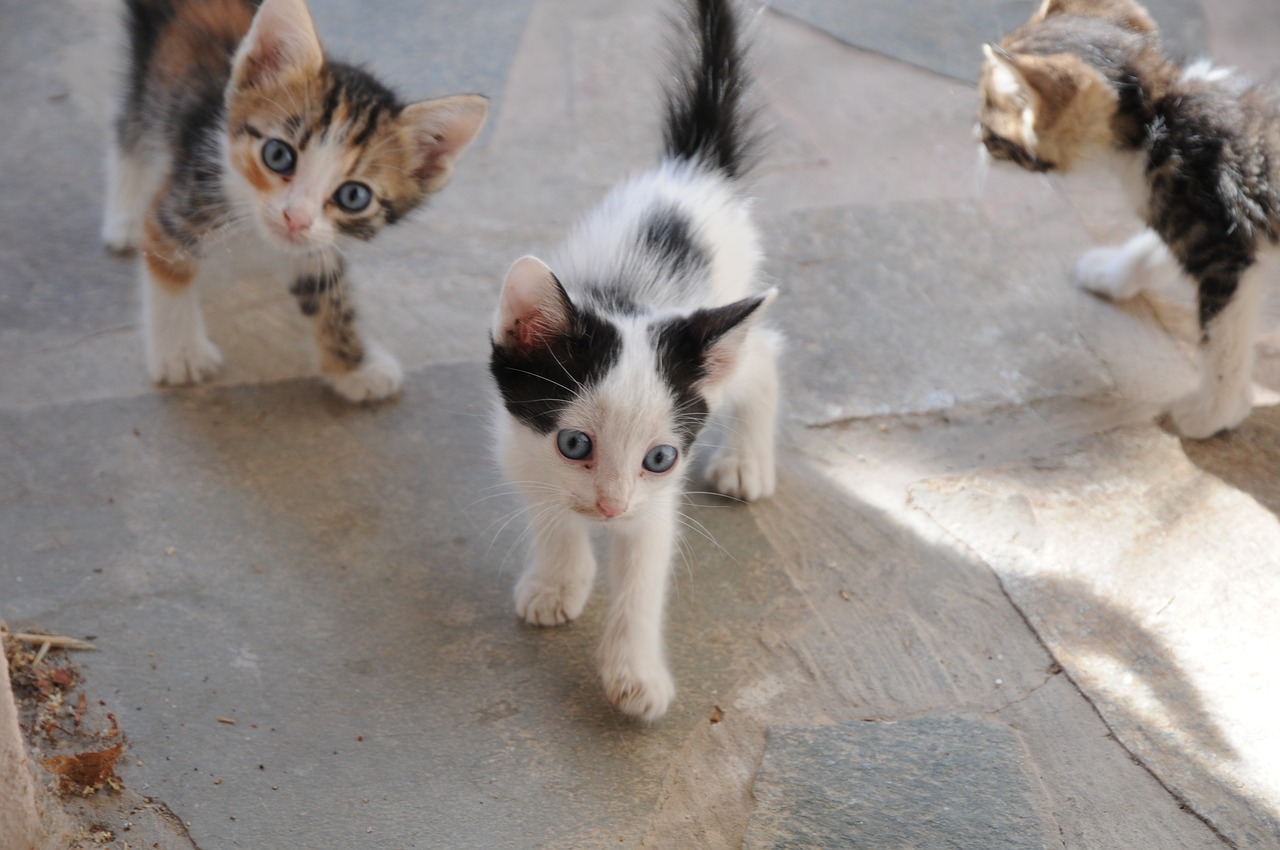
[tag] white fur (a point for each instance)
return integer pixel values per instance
(628, 413)
(1225, 395)
(178, 347)
(1123, 271)
(131, 182)
(1204, 69)
(377, 377)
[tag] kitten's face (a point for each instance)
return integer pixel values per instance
(1043, 106)
(1043, 113)
(614, 450)
(605, 408)
(323, 150)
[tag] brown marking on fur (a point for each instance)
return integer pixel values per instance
(196, 37)
(246, 159)
(168, 264)
(1125, 13)
(1073, 106)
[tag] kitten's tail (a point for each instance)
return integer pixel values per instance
(708, 120)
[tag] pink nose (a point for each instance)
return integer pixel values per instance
(296, 221)
(608, 509)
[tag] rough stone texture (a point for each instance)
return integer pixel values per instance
(890, 274)
(1125, 558)
(338, 580)
(944, 36)
(19, 818)
(945, 781)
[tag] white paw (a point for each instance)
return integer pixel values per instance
(743, 476)
(1200, 416)
(121, 233)
(1099, 271)
(378, 376)
(642, 691)
(189, 362)
(540, 603)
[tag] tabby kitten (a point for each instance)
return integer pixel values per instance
(1199, 148)
(611, 358)
(241, 149)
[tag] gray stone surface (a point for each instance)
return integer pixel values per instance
(944, 781)
(890, 276)
(338, 580)
(1121, 554)
(945, 36)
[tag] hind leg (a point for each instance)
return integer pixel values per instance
(745, 468)
(1120, 272)
(131, 183)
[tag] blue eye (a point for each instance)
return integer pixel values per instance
(353, 197)
(574, 445)
(279, 157)
(660, 458)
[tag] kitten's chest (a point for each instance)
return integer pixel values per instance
(241, 254)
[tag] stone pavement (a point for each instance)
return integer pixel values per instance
(993, 604)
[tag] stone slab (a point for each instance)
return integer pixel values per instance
(1152, 581)
(946, 37)
(338, 582)
(941, 781)
(917, 307)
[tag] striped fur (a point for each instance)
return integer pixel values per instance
(217, 88)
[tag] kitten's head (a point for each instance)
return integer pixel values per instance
(606, 407)
(322, 149)
(1051, 90)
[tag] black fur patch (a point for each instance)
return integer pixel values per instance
(310, 290)
(707, 119)
(366, 101)
(537, 386)
(669, 236)
(1212, 196)
(682, 346)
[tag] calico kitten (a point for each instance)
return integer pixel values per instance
(240, 148)
(1199, 149)
(611, 358)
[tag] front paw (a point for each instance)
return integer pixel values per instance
(1200, 416)
(743, 476)
(543, 603)
(640, 690)
(187, 363)
(1099, 272)
(377, 377)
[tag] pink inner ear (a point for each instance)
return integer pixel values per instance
(532, 330)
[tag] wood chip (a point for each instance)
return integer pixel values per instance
(88, 770)
(59, 641)
(230, 721)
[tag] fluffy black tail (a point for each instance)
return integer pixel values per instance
(708, 120)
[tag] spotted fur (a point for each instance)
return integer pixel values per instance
(642, 325)
(215, 89)
(1086, 78)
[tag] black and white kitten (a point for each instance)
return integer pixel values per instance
(611, 358)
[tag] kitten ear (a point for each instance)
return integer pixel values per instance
(534, 310)
(1047, 83)
(443, 129)
(716, 334)
(281, 39)
(1126, 13)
